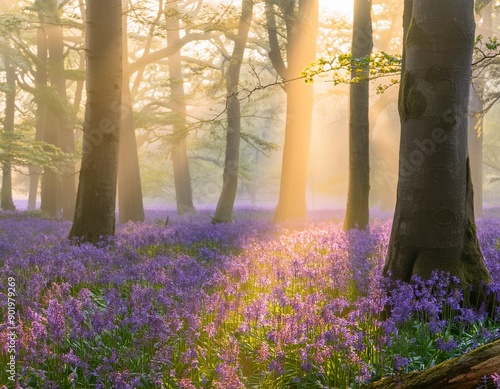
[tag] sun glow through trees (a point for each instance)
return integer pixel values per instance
(344, 7)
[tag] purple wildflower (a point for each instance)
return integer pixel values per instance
(55, 321)
(446, 345)
(400, 362)
(227, 377)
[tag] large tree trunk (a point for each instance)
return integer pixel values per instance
(433, 227)
(464, 372)
(357, 210)
(6, 202)
(302, 27)
(130, 205)
(224, 210)
(95, 204)
(182, 178)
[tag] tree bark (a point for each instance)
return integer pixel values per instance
(224, 210)
(6, 202)
(130, 204)
(182, 177)
(95, 204)
(464, 372)
(357, 210)
(433, 226)
(301, 30)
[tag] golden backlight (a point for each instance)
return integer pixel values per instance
(343, 7)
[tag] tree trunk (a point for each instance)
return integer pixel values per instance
(41, 108)
(81, 65)
(10, 108)
(130, 205)
(182, 178)
(476, 106)
(68, 179)
(34, 173)
(464, 372)
(58, 190)
(224, 210)
(433, 226)
(50, 185)
(357, 210)
(95, 204)
(302, 27)
(475, 141)
(65, 134)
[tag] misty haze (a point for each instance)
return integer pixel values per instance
(249, 194)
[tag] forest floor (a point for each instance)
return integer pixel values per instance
(249, 304)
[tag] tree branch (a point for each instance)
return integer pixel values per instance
(274, 52)
(165, 52)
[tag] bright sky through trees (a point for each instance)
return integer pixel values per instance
(341, 6)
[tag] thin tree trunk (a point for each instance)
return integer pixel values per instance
(65, 136)
(96, 196)
(41, 109)
(224, 210)
(357, 210)
(79, 83)
(81, 66)
(58, 190)
(433, 227)
(130, 205)
(182, 178)
(34, 173)
(302, 26)
(475, 142)
(10, 108)
(50, 186)
(476, 121)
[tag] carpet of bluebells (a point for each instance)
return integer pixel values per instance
(243, 305)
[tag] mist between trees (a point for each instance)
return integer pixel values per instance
(180, 65)
(289, 105)
(205, 44)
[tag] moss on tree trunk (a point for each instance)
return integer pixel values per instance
(464, 372)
